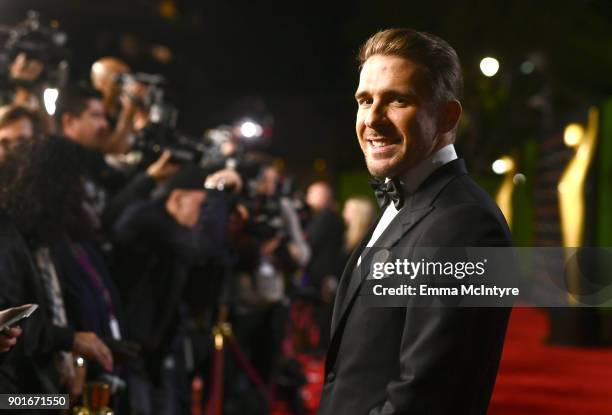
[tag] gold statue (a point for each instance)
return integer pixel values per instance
(95, 400)
(571, 188)
(505, 165)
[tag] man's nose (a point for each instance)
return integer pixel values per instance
(376, 115)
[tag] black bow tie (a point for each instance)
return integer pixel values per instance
(390, 190)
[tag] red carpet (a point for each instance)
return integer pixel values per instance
(538, 379)
(534, 378)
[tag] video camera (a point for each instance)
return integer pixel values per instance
(267, 219)
(161, 131)
(45, 43)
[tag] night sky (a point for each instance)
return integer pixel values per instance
(295, 61)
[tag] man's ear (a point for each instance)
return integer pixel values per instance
(448, 116)
(173, 201)
(66, 120)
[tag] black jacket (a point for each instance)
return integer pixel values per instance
(325, 235)
(154, 255)
(419, 360)
(29, 366)
(155, 260)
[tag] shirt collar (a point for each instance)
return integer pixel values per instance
(417, 175)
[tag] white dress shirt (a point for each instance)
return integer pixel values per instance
(412, 180)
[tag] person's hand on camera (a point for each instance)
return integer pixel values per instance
(133, 93)
(162, 168)
(8, 338)
(223, 179)
(24, 69)
(89, 345)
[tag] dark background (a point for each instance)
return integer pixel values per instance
(295, 61)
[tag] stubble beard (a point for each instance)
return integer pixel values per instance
(390, 168)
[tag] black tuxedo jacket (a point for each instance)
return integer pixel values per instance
(325, 235)
(419, 360)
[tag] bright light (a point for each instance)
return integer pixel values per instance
(502, 165)
(489, 66)
(499, 166)
(572, 134)
(50, 96)
(250, 129)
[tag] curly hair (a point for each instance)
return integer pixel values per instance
(41, 190)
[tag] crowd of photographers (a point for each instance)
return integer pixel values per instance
(136, 242)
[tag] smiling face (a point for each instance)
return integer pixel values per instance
(396, 123)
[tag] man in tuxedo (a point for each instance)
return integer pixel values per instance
(414, 360)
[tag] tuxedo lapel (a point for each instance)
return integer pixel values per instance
(348, 272)
(417, 207)
(405, 220)
(399, 226)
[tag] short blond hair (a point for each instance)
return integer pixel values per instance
(357, 225)
(435, 58)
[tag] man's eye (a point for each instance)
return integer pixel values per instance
(364, 101)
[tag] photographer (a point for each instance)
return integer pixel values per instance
(25, 74)
(83, 120)
(122, 102)
(37, 60)
(324, 233)
(269, 248)
(159, 243)
(26, 89)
